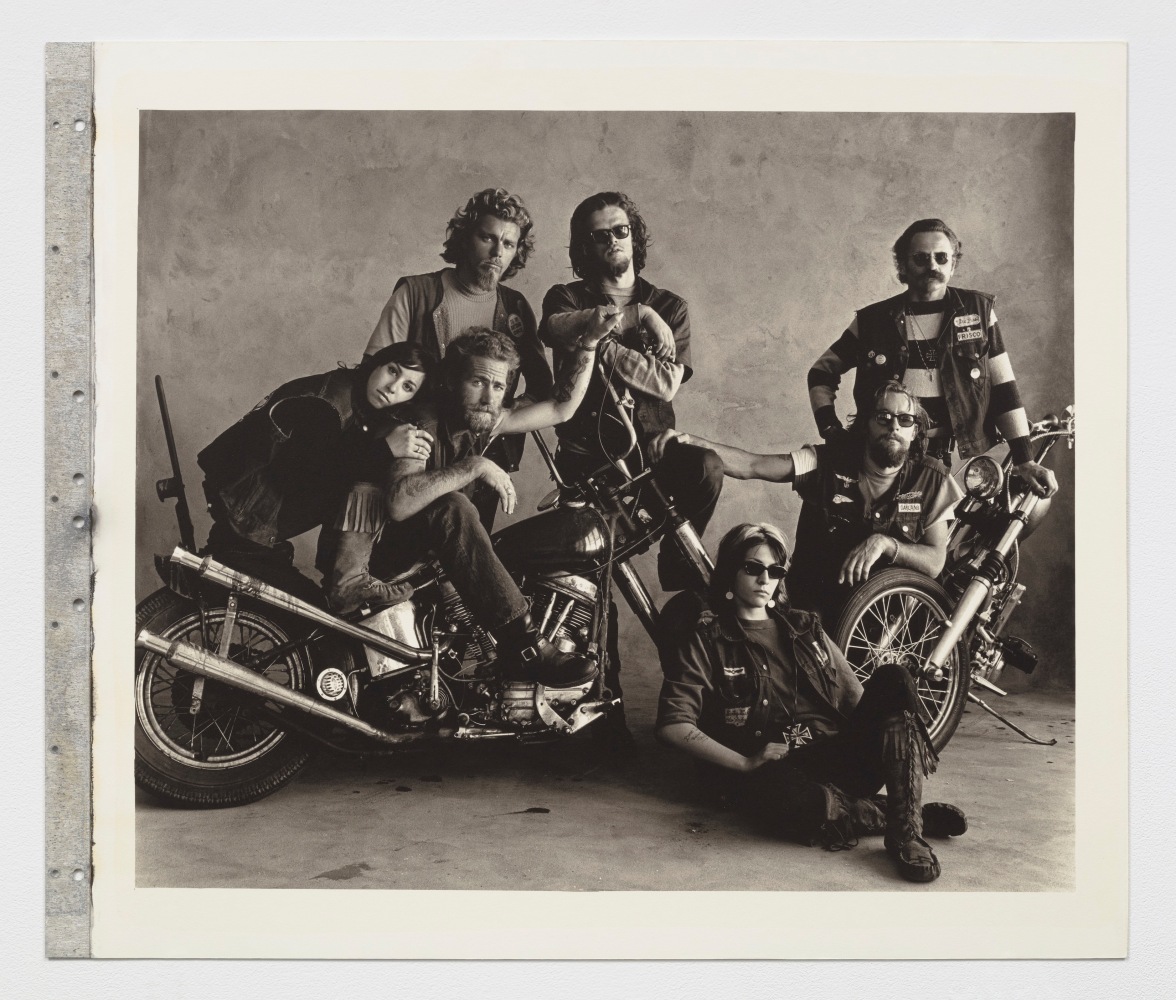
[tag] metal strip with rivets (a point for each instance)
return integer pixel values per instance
(69, 434)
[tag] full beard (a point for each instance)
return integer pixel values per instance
(888, 452)
(481, 420)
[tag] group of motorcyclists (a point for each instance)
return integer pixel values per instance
(411, 452)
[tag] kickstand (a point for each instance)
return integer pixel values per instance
(1017, 729)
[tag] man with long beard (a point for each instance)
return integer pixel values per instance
(870, 497)
(488, 242)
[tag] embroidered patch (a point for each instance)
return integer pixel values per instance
(515, 324)
(839, 498)
(910, 508)
(848, 480)
(735, 671)
(974, 334)
(970, 319)
(736, 716)
(913, 495)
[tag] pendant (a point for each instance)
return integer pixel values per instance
(797, 735)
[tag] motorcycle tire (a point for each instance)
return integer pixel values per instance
(898, 615)
(223, 755)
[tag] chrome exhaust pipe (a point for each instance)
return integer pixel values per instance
(206, 664)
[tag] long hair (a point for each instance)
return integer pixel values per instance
(580, 246)
(501, 204)
(902, 245)
(733, 550)
(478, 342)
(404, 354)
(861, 420)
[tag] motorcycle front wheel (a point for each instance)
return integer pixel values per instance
(221, 754)
(897, 616)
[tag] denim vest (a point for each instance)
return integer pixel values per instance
(834, 520)
(236, 463)
(963, 353)
(739, 716)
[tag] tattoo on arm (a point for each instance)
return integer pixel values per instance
(569, 375)
(696, 736)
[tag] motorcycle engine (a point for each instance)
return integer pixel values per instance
(561, 607)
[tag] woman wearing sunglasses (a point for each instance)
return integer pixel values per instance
(765, 701)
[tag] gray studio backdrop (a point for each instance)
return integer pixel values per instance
(269, 242)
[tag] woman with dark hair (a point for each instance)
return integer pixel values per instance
(287, 465)
(767, 703)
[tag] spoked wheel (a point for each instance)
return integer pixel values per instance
(197, 744)
(897, 616)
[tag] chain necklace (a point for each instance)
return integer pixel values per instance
(928, 362)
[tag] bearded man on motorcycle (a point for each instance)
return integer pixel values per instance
(946, 345)
(431, 502)
(872, 497)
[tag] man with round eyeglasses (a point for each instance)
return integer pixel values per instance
(871, 497)
(945, 344)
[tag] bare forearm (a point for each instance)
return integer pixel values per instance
(925, 559)
(412, 493)
(689, 738)
(740, 464)
(564, 329)
(572, 383)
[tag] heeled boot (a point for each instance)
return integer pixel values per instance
(905, 762)
(525, 655)
(349, 585)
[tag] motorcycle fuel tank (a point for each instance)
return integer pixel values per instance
(569, 538)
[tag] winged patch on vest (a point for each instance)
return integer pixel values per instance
(840, 498)
(848, 480)
(914, 495)
(735, 671)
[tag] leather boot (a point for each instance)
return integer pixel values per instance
(526, 656)
(349, 585)
(940, 819)
(904, 763)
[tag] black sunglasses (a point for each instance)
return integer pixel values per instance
(602, 236)
(886, 418)
(922, 259)
(754, 569)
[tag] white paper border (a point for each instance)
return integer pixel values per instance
(1087, 79)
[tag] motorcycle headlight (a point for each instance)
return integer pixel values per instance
(982, 478)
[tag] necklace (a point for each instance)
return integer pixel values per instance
(928, 360)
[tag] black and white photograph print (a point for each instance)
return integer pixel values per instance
(593, 501)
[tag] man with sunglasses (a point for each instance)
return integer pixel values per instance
(646, 355)
(871, 497)
(945, 344)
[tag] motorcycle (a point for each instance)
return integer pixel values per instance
(950, 632)
(236, 680)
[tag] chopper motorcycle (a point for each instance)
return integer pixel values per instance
(237, 680)
(950, 633)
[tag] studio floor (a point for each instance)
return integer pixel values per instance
(577, 816)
